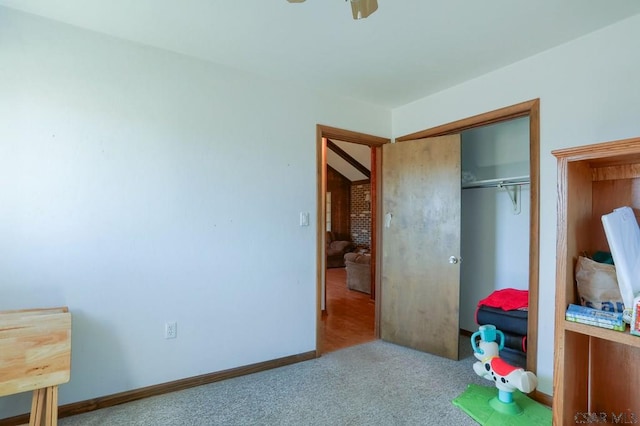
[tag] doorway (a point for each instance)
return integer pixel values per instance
(349, 315)
(531, 110)
(324, 135)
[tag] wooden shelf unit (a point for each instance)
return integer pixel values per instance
(596, 370)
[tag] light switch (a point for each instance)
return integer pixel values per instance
(304, 218)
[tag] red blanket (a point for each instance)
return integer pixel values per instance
(507, 299)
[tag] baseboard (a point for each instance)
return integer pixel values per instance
(136, 394)
(542, 398)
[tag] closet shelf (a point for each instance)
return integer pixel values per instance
(497, 183)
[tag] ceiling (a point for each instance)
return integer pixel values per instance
(360, 153)
(407, 50)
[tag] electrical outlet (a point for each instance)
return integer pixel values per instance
(170, 330)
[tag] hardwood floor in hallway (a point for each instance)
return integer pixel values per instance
(350, 315)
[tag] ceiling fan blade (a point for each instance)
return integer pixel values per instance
(360, 8)
(363, 8)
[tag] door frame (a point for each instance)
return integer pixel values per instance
(375, 142)
(529, 109)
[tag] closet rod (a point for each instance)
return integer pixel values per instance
(497, 183)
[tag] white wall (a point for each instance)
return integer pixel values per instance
(139, 186)
(589, 91)
(494, 241)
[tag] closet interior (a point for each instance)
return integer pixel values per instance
(495, 231)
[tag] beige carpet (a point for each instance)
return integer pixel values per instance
(376, 383)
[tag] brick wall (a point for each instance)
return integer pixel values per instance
(361, 215)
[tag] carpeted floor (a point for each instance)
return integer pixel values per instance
(375, 383)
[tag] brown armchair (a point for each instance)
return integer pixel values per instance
(358, 272)
(336, 249)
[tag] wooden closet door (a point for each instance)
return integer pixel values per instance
(420, 282)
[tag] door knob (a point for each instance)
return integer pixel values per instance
(453, 260)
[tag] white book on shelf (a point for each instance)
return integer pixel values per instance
(623, 235)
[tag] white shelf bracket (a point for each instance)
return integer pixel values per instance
(513, 191)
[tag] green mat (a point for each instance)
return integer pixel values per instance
(475, 401)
